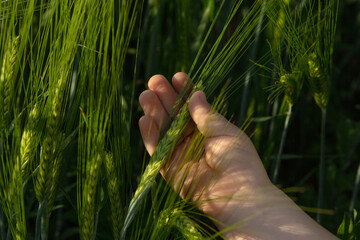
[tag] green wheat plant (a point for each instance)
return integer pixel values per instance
(288, 81)
(98, 100)
(311, 41)
(320, 74)
(11, 179)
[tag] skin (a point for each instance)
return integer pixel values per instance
(240, 196)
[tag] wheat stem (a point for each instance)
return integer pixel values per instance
(322, 166)
(357, 179)
(8, 234)
(355, 191)
(253, 53)
(45, 224)
(38, 221)
(276, 166)
(96, 224)
(201, 30)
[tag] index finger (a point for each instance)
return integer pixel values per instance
(181, 80)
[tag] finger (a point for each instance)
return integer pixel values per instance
(165, 92)
(152, 107)
(149, 132)
(181, 80)
(209, 123)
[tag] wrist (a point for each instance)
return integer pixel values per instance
(268, 213)
(250, 201)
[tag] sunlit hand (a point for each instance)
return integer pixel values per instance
(225, 177)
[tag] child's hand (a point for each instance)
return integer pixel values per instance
(227, 179)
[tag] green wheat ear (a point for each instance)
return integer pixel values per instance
(113, 187)
(166, 145)
(317, 81)
(178, 219)
(48, 145)
(7, 83)
(292, 86)
(29, 141)
(186, 226)
(89, 199)
(14, 199)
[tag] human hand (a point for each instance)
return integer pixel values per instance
(227, 180)
(229, 161)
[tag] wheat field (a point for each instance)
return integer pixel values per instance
(72, 162)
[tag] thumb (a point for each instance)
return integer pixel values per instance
(209, 123)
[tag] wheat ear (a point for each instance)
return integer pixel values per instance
(291, 85)
(177, 218)
(317, 80)
(46, 167)
(29, 141)
(113, 187)
(55, 177)
(88, 208)
(15, 199)
(7, 83)
(165, 146)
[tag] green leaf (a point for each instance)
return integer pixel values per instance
(346, 229)
(356, 225)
